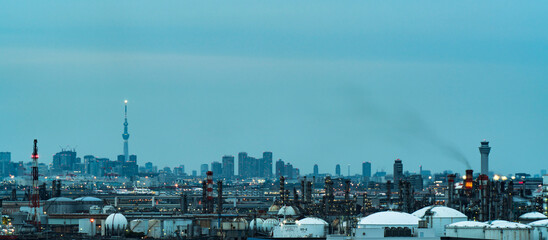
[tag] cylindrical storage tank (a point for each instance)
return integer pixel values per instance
(507, 230)
(139, 226)
(540, 229)
(84, 204)
(466, 229)
(439, 216)
(60, 205)
(154, 228)
(531, 217)
(312, 227)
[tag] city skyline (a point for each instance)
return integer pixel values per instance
(333, 84)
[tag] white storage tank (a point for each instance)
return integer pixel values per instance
(269, 224)
(312, 227)
(466, 229)
(138, 226)
(387, 224)
(87, 226)
(287, 211)
(531, 217)
(256, 224)
(500, 229)
(438, 217)
(239, 224)
(540, 229)
(154, 229)
(115, 224)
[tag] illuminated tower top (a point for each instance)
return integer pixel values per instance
(125, 135)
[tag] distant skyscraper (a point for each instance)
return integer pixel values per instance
(5, 161)
(316, 170)
(280, 168)
(366, 169)
(338, 170)
(203, 169)
(64, 161)
(266, 168)
(228, 166)
(125, 135)
(484, 150)
(242, 161)
(398, 171)
(217, 169)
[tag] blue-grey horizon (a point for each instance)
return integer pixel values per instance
(312, 82)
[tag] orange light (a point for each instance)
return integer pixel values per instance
(92, 220)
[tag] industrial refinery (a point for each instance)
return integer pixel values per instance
(406, 206)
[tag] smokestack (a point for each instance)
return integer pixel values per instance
(219, 197)
(469, 181)
(282, 190)
(484, 150)
(209, 191)
(484, 189)
(450, 189)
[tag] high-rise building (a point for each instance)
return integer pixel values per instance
(484, 150)
(5, 161)
(280, 168)
(266, 168)
(203, 169)
(65, 160)
(316, 170)
(338, 170)
(228, 166)
(366, 169)
(217, 169)
(398, 171)
(242, 161)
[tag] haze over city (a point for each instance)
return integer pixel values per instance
(322, 83)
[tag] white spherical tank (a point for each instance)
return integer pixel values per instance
(269, 224)
(115, 224)
(256, 224)
(287, 211)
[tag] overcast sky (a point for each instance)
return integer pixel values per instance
(312, 81)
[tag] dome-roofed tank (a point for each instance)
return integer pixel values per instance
(287, 211)
(438, 217)
(115, 224)
(273, 209)
(540, 228)
(390, 218)
(531, 217)
(88, 199)
(256, 224)
(60, 205)
(85, 203)
(270, 223)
